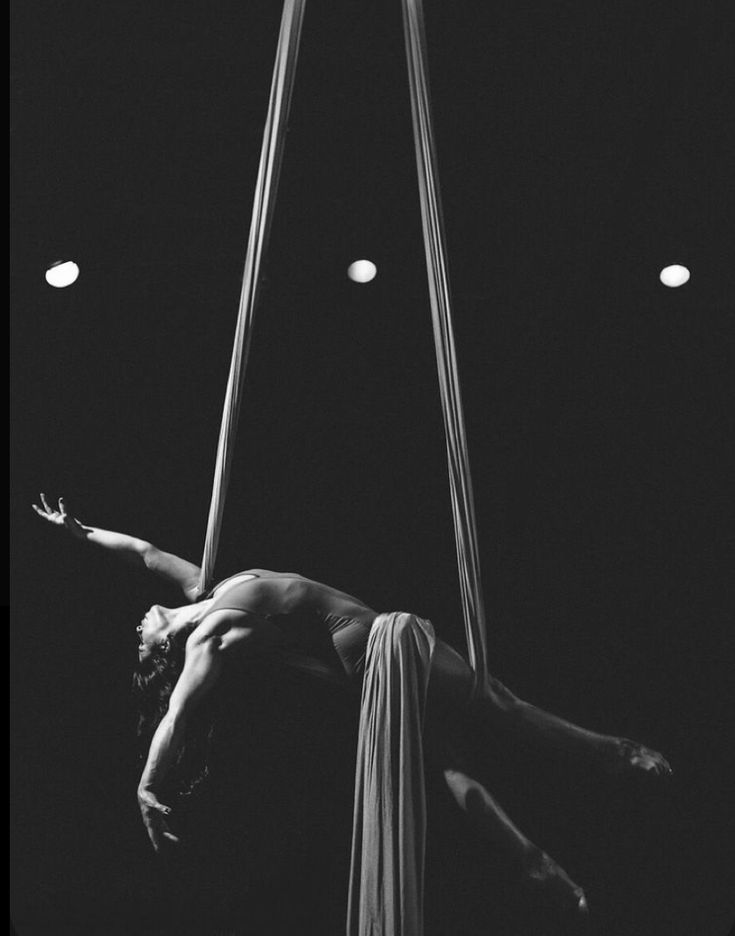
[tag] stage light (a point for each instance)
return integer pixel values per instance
(674, 275)
(362, 271)
(62, 273)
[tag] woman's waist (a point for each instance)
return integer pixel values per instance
(337, 620)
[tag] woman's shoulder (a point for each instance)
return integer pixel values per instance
(243, 577)
(262, 573)
(257, 591)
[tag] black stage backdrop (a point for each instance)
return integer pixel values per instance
(582, 147)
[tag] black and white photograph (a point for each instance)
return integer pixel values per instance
(371, 475)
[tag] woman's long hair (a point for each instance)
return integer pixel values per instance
(154, 679)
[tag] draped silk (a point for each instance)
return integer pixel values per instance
(389, 826)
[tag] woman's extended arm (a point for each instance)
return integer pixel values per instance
(140, 552)
(201, 671)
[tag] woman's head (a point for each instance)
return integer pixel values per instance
(152, 633)
(159, 626)
(160, 662)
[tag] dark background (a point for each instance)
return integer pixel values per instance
(582, 147)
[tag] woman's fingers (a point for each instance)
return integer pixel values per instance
(156, 838)
(158, 829)
(46, 512)
(51, 514)
(60, 515)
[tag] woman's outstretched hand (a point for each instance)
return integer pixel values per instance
(155, 817)
(61, 517)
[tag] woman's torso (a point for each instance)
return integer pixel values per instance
(310, 625)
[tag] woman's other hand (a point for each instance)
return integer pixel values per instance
(61, 517)
(155, 817)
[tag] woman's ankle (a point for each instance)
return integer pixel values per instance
(548, 878)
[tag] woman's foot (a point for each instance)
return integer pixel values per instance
(620, 756)
(553, 886)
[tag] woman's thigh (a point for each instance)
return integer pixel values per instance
(451, 680)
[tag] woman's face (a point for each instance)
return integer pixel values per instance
(153, 629)
(158, 622)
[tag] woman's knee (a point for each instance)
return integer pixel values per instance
(497, 696)
(451, 677)
(457, 781)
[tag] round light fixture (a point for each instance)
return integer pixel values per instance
(362, 271)
(674, 275)
(62, 273)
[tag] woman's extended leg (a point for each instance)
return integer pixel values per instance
(535, 868)
(452, 680)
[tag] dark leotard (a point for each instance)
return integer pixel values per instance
(316, 628)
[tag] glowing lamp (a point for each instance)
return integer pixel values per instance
(674, 275)
(62, 273)
(362, 271)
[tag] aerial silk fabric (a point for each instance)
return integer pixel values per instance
(460, 480)
(386, 884)
(389, 825)
(274, 136)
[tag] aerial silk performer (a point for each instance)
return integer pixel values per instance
(286, 622)
(403, 671)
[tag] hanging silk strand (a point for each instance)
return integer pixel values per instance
(463, 510)
(271, 155)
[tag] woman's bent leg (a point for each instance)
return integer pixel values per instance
(536, 869)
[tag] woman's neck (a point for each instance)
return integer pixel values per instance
(188, 617)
